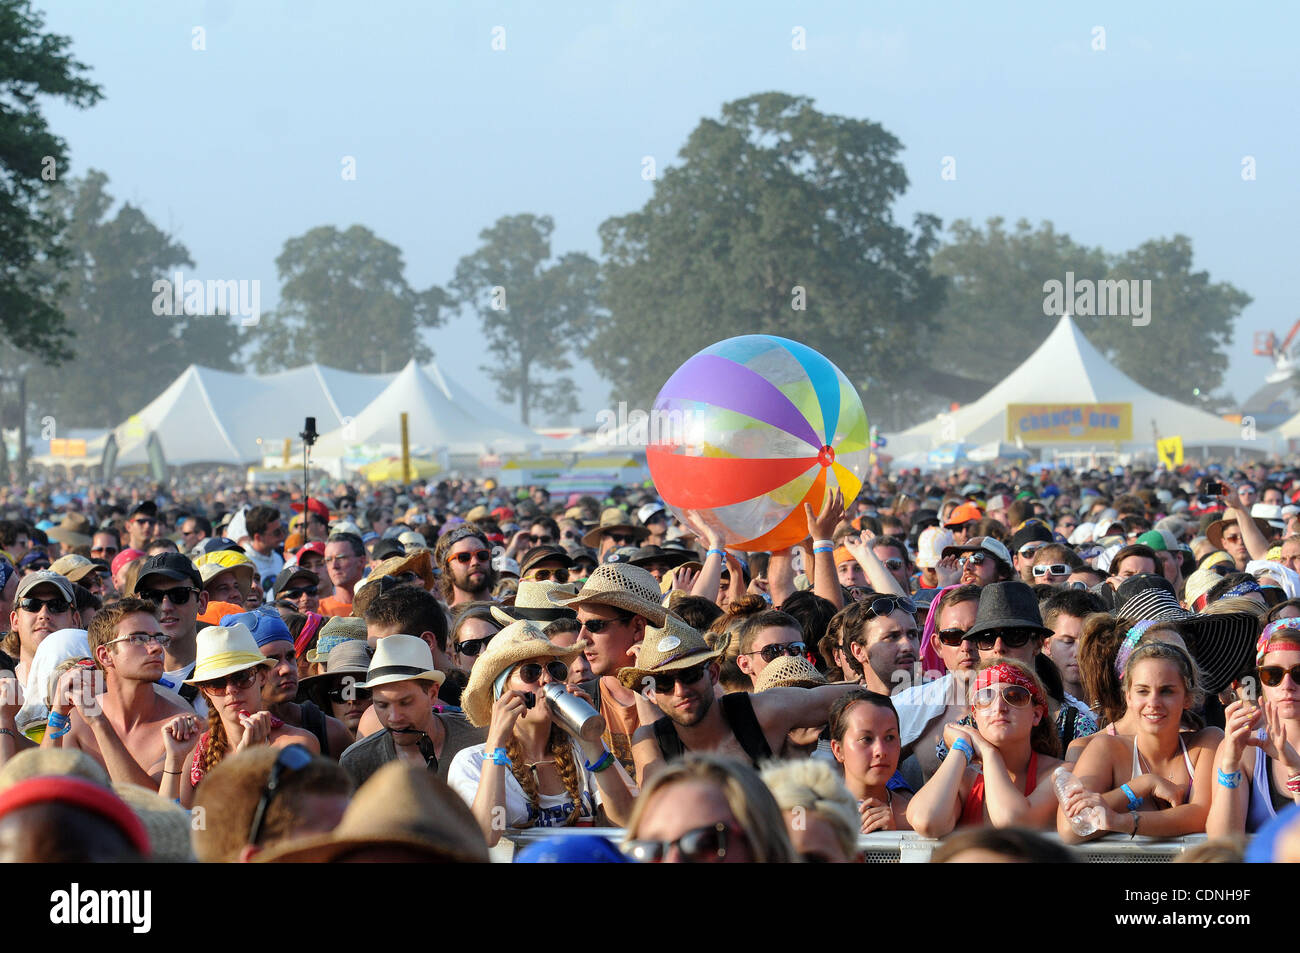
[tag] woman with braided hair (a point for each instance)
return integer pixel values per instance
(531, 772)
(229, 671)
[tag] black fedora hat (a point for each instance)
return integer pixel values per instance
(1007, 605)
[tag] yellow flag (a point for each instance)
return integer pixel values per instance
(1171, 451)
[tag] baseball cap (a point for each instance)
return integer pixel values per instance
(965, 513)
(930, 544)
(387, 548)
(538, 553)
(289, 573)
(169, 566)
(1030, 533)
(45, 577)
(986, 543)
(214, 544)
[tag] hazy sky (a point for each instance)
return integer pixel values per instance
(239, 146)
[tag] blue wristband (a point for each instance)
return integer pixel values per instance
(964, 746)
(603, 762)
(57, 720)
(1229, 780)
(499, 756)
(822, 549)
(717, 551)
(1134, 802)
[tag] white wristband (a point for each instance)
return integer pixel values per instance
(823, 542)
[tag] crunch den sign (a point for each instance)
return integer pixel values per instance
(1069, 423)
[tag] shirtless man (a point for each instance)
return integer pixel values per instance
(122, 726)
(923, 710)
(677, 673)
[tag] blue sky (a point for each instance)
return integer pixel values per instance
(239, 146)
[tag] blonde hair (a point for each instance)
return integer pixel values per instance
(748, 798)
(815, 787)
(1252, 603)
(560, 748)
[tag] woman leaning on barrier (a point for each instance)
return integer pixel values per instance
(999, 773)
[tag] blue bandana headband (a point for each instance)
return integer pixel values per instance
(6, 570)
(1131, 638)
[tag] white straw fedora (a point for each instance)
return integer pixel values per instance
(224, 650)
(401, 658)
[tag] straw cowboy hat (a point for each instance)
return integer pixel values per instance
(337, 630)
(621, 586)
(669, 648)
(401, 806)
(420, 563)
(224, 650)
(614, 518)
(73, 530)
(533, 602)
(401, 658)
(351, 658)
(787, 672)
(517, 642)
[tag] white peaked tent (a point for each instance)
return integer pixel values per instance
(209, 416)
(436, 421)
(1066, 368)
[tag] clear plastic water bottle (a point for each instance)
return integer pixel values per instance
(1087, 821)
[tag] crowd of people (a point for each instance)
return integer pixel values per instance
(1010, 662)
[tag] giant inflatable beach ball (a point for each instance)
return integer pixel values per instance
(749, 430)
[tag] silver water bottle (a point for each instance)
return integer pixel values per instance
(574, 714)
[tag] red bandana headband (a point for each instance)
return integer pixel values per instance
(1009, 675)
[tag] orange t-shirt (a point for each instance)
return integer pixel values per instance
(621, 722)
(332, 606)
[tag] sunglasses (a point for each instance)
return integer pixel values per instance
(1271, 675)
(144, 638)
(1013, 695)
(666, 682)
(544, 575)
(571, 534)
(954, 637)
(597, 626)
(536, 540)
(1011, 638)
(237, 680)
(974, 559)
(473, 646)
(291, 759)
(771, 653)
(56, 605)
(884, 605)
(621, 540)
(531, 672)
(145, 521)
(704, 845)
(1055, 569)
(105, 550)
(893, 564)
(1030, 548)
(178, 596)
(479, 556)
(299, 593)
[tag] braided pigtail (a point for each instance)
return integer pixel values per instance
(218, 743)
(525, 777)
(560, 747)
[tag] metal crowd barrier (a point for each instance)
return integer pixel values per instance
(906, 847)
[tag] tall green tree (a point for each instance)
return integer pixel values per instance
(776, 219)
(32, 158)
(534, 314)
(345, 302)
(125, 353)
(994, 315)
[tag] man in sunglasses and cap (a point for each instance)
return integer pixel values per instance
(983, 560)
(44, 603)
(674, 682)
(141, 525)
(403, 686)
(173, 583)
